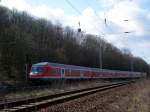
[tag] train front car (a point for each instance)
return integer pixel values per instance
(40, 70)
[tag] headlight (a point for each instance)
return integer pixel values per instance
(33, 73)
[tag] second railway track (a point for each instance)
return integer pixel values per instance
(49, 100)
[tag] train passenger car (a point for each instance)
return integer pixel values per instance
(46, 70)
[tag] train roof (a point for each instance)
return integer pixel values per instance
(76, 67)
(41, 63)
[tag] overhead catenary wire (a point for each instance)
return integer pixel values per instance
(95, 12)
(106, 19)
(99, 19)
(73, 7)
(79, 13)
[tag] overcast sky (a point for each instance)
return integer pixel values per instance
(92, 15)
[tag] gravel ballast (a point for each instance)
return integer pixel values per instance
(130, 98)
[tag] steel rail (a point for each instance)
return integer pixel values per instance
(45, 101)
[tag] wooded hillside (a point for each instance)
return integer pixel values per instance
(27, 39)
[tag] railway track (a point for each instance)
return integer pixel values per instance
(32, 104)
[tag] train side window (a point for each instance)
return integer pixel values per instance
(56, 71)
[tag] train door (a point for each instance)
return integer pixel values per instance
(81, 74)
(63, 73)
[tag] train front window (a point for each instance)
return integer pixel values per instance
(37, 69)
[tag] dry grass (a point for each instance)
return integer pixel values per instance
(56, 88)
(138, 100)
(131, 98)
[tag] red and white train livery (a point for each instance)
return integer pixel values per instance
(46, 70)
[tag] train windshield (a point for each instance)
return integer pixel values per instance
(37, 69)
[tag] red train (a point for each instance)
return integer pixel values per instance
(46, 70)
